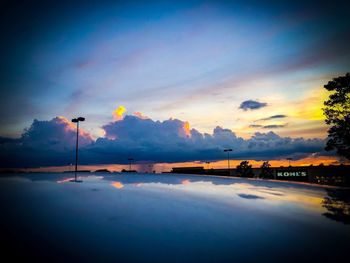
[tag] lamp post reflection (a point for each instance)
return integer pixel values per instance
(207, 165)
(130, 160)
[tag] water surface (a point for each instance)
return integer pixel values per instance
(171, 218)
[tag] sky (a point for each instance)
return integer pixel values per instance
(173, 81)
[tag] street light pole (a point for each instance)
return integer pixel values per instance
(76, 152)
(228, 159)
(77, 120)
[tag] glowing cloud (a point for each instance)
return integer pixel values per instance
(140, 115)
(118, 113)
(71, 127)
(186, 128)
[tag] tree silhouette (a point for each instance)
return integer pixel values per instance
(244, 169)
(266, 171)
(337, 112)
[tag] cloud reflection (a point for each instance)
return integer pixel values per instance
(247, 196)
(117, 185)
(185, 182)
(65, 180)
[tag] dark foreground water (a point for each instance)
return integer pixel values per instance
(170, 218)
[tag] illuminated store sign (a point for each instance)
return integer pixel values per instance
(291, 173)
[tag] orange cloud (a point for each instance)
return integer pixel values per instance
(71, 127)
(186, 128)
(118, 113)
(140, 115)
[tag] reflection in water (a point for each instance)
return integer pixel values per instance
(196, 218)
(271, 192)
(65, 180)
(248, 196)
(338, 205)
(117, 185)
(79, 178)
(185, 182)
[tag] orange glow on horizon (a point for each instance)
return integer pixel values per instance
(166, 167)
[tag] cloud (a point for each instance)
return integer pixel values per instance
(48, 143)
(43, 143)
(249, 196)
(57, 134)
(252, 105)
(278, 116)
(140, 115)
(274, 126)
(118, 113)
(270, 126)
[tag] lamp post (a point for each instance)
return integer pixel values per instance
(228, 159)
(289, 159)
(77, 120)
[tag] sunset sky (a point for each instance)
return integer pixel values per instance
(163, 77)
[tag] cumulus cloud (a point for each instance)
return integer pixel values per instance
(133, 128)
(43, 143)
(252, 105)
(57, 134)
(53, 143)
(167, 141)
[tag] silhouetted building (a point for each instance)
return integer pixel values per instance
(191, 170)
(331, 175)
(102, 171)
